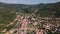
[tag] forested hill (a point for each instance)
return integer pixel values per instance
(51, 7)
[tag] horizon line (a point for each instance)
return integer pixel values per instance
(25, 4)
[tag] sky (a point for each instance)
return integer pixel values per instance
(29, 1)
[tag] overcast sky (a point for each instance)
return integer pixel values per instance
(29, 1)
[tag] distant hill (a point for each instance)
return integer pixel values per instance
(51, 7)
